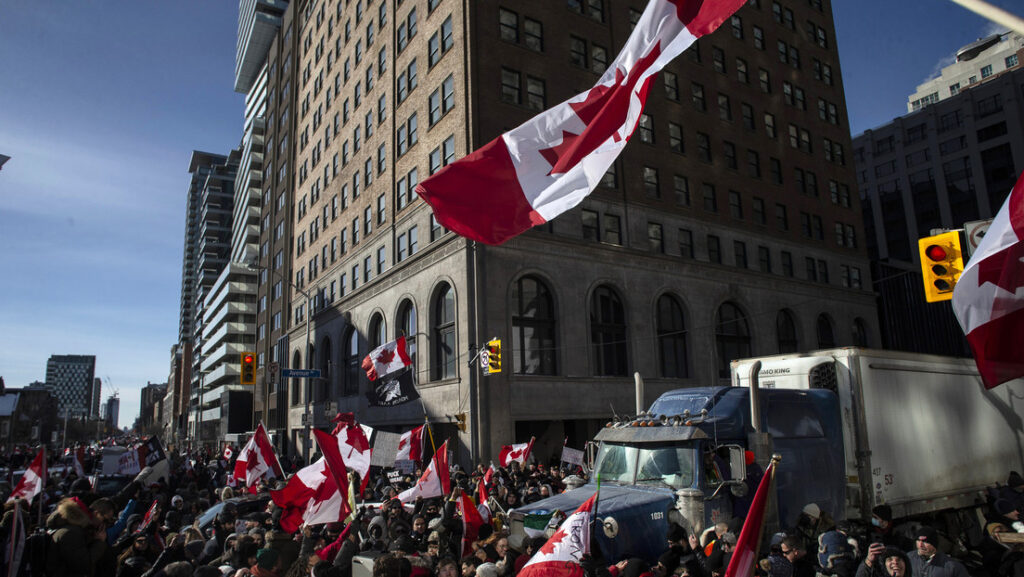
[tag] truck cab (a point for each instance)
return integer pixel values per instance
(685, 462)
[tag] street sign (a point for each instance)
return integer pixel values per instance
(974, 231)
(301, 373)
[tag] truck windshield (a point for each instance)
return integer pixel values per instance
(670, 465)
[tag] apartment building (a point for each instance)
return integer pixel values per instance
(727, 228)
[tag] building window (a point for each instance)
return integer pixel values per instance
(655, 238)
(352, 361)
(785, 332)
(612, 229)
(533, 328)
(675, 138)
(672, 338)
(608, 333)
(860, 333)
(685, 243)
(536, 97)
(591, 227)
(714, 249)
(826, 338)
(732, 337)
(651, 187)
(671, 85)
(510, 85)
(646, 129)
(681, 190)
(710, 197)
(444, 334)
(764, 259)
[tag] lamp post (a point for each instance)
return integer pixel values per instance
(254, 265)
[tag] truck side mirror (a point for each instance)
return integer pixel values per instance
(738, 463)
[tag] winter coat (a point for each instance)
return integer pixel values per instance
(940, 565)
(75, 548)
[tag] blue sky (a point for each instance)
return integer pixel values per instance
(102, 103)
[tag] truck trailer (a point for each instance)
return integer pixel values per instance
(854, 427)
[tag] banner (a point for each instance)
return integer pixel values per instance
(393, 390)
(574, 456)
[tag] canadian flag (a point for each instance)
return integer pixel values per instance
(229, 452)
(335, 507)
(305, 490)
(744, 554)
(561, 555)
(353, 442)
(386, 359)
(989, 297)
(515, 453)
(434, 482)
(410, 446)
(471, 522)
(546, 166)
(257, 460)
(31, 483)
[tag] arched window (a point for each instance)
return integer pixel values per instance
(732, 337)
(377, 329)
(310, 360)
(352, 361)
(860, 333)
(608, 333)
(322, 386)
(295, 383)
(533, 327)
(443, 333)
(407, 328)
(785, 331)
(672, 338)
(826, 338)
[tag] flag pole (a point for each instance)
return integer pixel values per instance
(14, 533)
(42, 486)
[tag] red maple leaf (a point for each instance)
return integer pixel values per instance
(1005, 268)
(513, 455)
(386, 356)
(555, 539)
(603, 112)
(356, 439)
(250, 463)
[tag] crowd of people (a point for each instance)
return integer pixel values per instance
(156, 528)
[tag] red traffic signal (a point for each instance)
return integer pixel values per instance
(936, 252)
(248, 369)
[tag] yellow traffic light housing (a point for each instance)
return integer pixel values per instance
(248, 369)
(942, 262)
(460, 421)
(493, 357)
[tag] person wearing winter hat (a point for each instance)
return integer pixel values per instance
(268, 563)
(926, 559)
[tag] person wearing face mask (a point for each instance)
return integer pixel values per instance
(927, 561)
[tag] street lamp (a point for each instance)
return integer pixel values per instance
(254, 265)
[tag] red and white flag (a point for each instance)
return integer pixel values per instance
(229, 452)
(410, 446)
(560, 556)
(331, 508)
(531, 174)
(515, 453)
(386, 359)
(471, 523)
(302, 491)
(257, 460)
(744, 555)
(353, 442)
(151, 514)
(32, 482)
(434, 482)
(989, 297)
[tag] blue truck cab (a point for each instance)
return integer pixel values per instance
(685, 461)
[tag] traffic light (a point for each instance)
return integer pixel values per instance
(461, 421)
(493, 357)
(248, 368)
(941, 264)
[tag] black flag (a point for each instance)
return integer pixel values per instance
(394, 389)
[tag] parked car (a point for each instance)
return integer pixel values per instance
(243, 506)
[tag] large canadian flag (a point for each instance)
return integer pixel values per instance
(517, 453)
(410, 446)
(434, 482)
(560, 556)
(31, 483)
(305, 490)
(531, 174)
(354, 445)
(989, 297)
(257, 460)
(471, 523)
